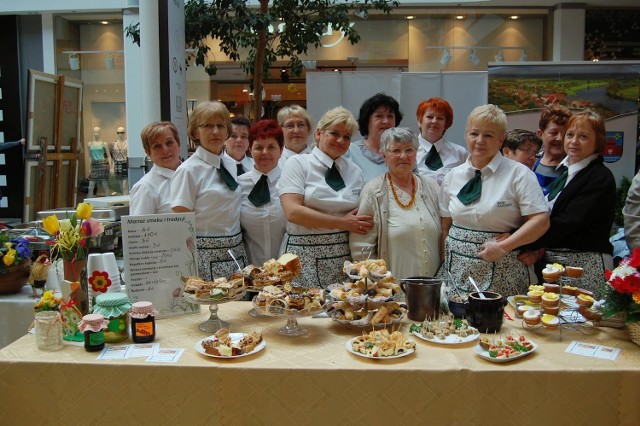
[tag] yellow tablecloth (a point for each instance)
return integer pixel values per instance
(313, 380)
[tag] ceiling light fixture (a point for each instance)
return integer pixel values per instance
(104, 22)
(500, 56)
(459, 17)
(523, 56)
(514, 17)
(410, 17)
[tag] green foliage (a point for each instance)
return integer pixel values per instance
(620, 302)
(133, 31)
(237, 26)
(621, 198)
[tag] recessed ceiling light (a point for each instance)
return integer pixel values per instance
(459, 17)
(104, 22)
(244, 90)
(336, 70)
(410, 17)
(514, 17)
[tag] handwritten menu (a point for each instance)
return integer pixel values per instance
(158, 250)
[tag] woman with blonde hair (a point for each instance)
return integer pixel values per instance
(152, 193)
(490, 206)
(295, 122)
(319, 194)
(206, 185)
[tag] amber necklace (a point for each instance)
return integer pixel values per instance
(395, 194)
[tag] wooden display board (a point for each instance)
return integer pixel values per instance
(159, 249)
(53, 134)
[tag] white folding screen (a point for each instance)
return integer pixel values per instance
(463, 90)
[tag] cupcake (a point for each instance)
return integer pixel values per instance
(531, 317)
(523, 308)
(569, 290)
(535, 295)
(584, 291)
(591, 314)
(551, 273)
(535, 287)
(551, 288)
(574, 272)
(584, 300)
(550, 322)
(550, 299)
(551, 310)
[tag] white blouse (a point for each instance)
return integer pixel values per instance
(198, 186)
(451, 154)
(305, 175)
(152, 193)
(262, 227)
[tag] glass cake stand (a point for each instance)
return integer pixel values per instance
(291, 328)
(214, 323)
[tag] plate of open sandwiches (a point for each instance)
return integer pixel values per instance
(230, 345)
(273, 272)
(388, 313)
(197, 290)
(381, 344)
(446, 330)
(504, 350)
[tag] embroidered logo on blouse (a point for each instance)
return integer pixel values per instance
(504, 204)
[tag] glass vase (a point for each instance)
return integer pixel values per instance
(76, 271)
(48, 330)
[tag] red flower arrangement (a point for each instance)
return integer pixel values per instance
(623, 290)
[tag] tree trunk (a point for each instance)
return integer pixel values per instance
(257, 70)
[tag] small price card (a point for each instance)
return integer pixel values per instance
(591, 350)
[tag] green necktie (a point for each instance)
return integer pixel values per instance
(471, 190)
(557, 185)
(333, 178)
(227, 178)
(240, 169)
(433, 161)
(260, 194)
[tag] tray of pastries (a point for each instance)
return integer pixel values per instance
(361, 292)
(290, 300)
(197, 290)
(230, 345)
(274, 272)
(383, 315)
(380, 344)
(374, 269)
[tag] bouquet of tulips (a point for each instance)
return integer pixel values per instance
(71, 234)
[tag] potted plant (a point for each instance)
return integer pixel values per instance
(622, 293)
(15, 260)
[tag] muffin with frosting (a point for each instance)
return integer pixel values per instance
(532, 317)
(550, 299)
(574, 271)
(550, 322)
(535, 295)
(552, 272)
(584, 300)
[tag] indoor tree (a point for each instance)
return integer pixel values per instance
(240, 27)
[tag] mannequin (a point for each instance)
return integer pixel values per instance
(101, 164)
(120, 159)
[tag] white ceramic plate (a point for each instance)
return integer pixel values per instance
(234, 338)
(485, 354)
(349, 347)
(451, 339)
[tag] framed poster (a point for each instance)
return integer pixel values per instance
(159, 250)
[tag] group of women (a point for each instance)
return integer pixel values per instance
(455, 213)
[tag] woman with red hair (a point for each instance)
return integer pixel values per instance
(436, 155)
(261, 216)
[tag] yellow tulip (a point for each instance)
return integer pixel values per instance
(9, 258)
(83, 211)
(47, 296)
(51, 224)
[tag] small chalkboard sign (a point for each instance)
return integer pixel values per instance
(159, 249)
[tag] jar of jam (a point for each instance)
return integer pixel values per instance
(143, 322)
(93, 326)
(114, 307)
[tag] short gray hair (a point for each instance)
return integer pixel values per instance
(402, 135)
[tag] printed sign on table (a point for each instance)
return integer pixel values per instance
(158, 250)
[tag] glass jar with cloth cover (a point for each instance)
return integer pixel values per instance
(114, 307)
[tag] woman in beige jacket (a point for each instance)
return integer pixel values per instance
(404, 205)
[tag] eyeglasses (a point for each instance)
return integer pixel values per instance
(120, 133)
(209, 127)
(528, 151)
(398, 152)
(292, 126)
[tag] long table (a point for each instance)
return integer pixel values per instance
(312, 379)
